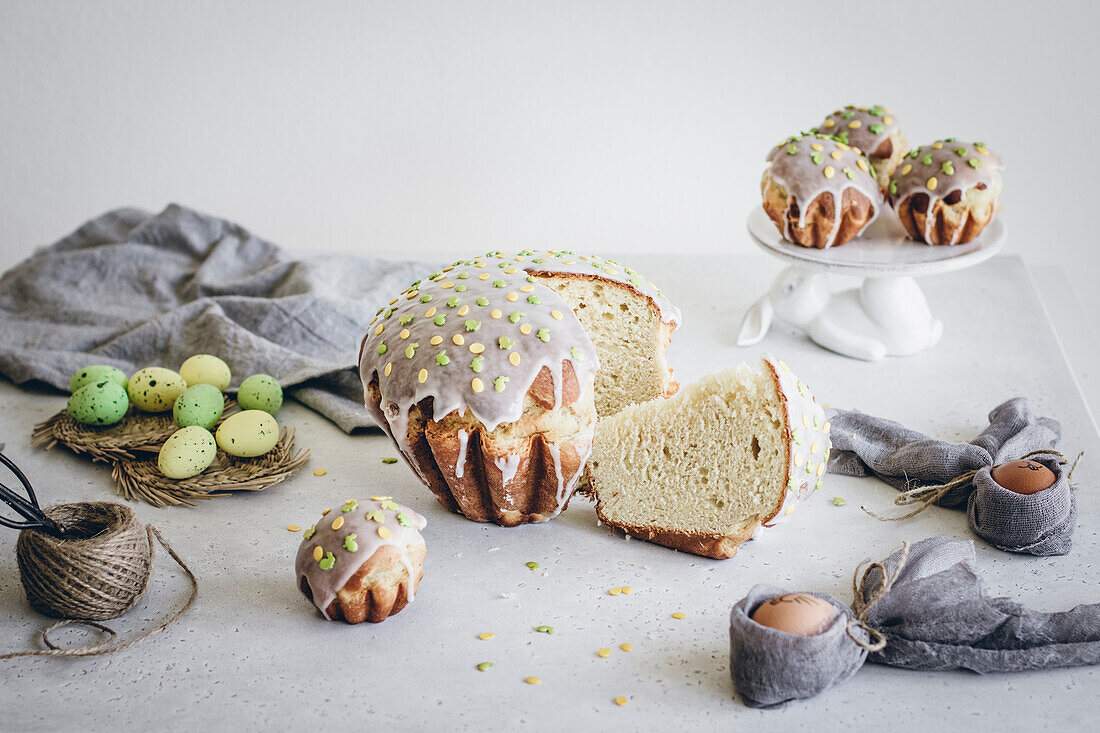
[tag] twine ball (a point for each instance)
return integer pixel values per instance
(99, 572)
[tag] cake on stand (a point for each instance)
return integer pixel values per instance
(887, 315)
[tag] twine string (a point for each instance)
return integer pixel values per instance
(864, 598)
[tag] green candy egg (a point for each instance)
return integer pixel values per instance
(97, 373)
(248, 434)
(205, 369)
(155, 389)
(98, 403)
(201, 405)
(260, 392)
(188, 452)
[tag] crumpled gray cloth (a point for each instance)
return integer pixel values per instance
(936, 616)
(132, 290)
(1039, 524)
(771, 668)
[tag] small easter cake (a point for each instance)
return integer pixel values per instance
(947, 192)
(704, 470)
(362, 561)
(489, 374)
(874, 131)
(820, 192)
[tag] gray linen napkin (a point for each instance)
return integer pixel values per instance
(936, 616)
(132, 290)
(1039, 524)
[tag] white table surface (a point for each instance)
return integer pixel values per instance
(253, 654)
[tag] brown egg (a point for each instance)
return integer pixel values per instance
(795, 613)
(1024, 477)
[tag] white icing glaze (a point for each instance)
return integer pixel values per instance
(460, 464)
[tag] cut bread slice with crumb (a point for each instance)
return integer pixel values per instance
(703, 470)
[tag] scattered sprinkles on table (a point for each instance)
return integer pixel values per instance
(320, 472)
(839, 501)
(679, 615)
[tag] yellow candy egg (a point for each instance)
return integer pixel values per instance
(155, 389)
(187, 452)
(248, 434)
(205, 369)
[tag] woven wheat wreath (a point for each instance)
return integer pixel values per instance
(84, 563)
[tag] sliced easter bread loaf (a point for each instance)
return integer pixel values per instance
(704, 470)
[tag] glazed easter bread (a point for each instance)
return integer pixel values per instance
(363, 560)
(489, 374)
(703, 471)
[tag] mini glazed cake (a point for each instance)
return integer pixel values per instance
(820, 192)
(485, 374)
(704, 470)
(947, 192)
(872, 130)
(362, 561)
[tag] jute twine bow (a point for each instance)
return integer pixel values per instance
(926, 496)
(864, 598)
(101, 573)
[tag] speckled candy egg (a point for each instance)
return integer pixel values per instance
(795, 613)
(205, 369)
(155, 389)
(97, 373)
(248, 434)
(188, 452)
(260, 392)
(201, 405)
(98, 403)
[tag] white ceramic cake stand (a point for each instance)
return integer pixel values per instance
(885, 316)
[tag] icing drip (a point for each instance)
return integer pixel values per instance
(865, 128)
(460, 464)
(808, 166)
(508, 465)
(566, 487)
(941, 169)
(356, 537)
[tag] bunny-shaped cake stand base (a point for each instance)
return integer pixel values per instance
(887, 315)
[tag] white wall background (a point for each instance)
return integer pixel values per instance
(411, 127)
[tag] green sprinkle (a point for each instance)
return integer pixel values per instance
(948, 168)
(950, 139)
(514, 317)
(817, 486)
(425, 298)
(816, 157)
(545, 629)
(914, 153)
(472, 325)
(382, 349)
(843, 137)
(460, 288)
(876, 128)
(532, 565)
(413, 286)
(894, 187)
(376, 515)
(389, 504)
(482, 301)
(477, 364)
(434, 275)
(926, 160)
(977, 145)
(877, 111)
(531, 278)
(974, 163)
(403, 520)
(534, 299)
(502, 265)
(499, 283)
(327, 561)
(442, 359)
(505, 343)
(388, 313)
(453, 301)
(439, 320)
(792, 149)
(576, 353)
(635, 282)
(350, 544)
(484, 666)
(389, 460)
(410, 350)
(791, 485)
(463, 276)
(961, 152)
(543, 334)
(848, 115)
(839, 501)
(499, 382)
(349, 507)
(405, 320)
(310, 532)
(849, 172)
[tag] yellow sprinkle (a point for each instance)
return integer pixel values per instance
(605, 652)
(338, 522)
(842, 146)
(525, 329)
(679, 615)
(350, 501)
(293, 528)
(373, 321)
(448, 269)
(381, 498)
(614, 591)
(486, 636)
(855, 124)
(818, 147)
(422, 376)
(326, 511)
(495, 313)
(862, 164)
(318, 553)
(479, 264)
(829, 171)
(514, 358)
(626, 647)
(510, 270)
(570, 262)
(527, 288)
(476, 348)
(829, 123)
(556, 315)
(320, 472)
(797, 460)
(827, 427)
(463, 310)
(447, 285)
(627, 589)
(436, 340)
(620, 701)
(393, 301)
(477, 385)
(835, 155)
(384, 533)
(905, 169)
(404, 333)
(412, 295)
(457, 338)
(821, 468)
(980, 149)
(814, 447)
(533, 680)
(806, 420)
(483, 276)
(887, 120)
(512, 297)
(388, 369)
(932, 183)
(430, 313)
(937, 146)
(380, 329)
